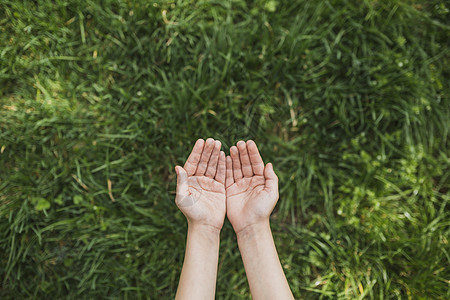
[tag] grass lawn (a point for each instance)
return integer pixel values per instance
(99, 100)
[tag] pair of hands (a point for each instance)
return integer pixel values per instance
(212, 185)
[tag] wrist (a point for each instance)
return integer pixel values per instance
(205, 229)
(253, 229)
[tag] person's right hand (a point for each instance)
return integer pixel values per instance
(200, 185)
(251, 187)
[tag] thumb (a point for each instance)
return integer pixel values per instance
(271, 179)
(182, 178)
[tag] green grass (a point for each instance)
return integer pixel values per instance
(99, 100)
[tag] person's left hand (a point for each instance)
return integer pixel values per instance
(201, 185)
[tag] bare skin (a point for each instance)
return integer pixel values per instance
(210, 186)
(252, 188)
(201, 197)
(252, 193)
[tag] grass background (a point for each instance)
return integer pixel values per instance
(99, 100)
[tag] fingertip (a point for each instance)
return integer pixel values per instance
(270, 172)
(252, 147)
(217, 144)
(222, 159)
(199, 143)
(234, 150)
(241, 144)
(208, 142)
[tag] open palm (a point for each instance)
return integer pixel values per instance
(200, 185)
(251, 187)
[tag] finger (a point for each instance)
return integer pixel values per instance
(206, 154)
(192, 162)
(182, 181)
(237, 172)
(255, 158)
(212, 163)
(229, 179)
(221, 168)
(245, 160)
(271, 178)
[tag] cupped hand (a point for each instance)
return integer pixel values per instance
(251, 187)
(201, 185)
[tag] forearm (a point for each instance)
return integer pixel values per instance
(198, 276)
(264, 272)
